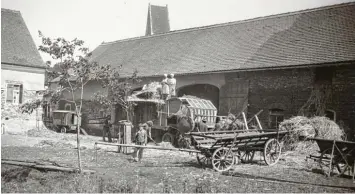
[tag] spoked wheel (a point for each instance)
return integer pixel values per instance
(184, 143)
(247, 156)
(222, 160)
(168, 137)
(338, 166)
(63, 129)
(203, 160)
(272, 152)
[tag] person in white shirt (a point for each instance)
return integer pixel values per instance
(165, 87)
(172, 84)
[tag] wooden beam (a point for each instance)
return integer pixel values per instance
(148, 147)
(255, 116)
(44, 167)
(83, 130)
(245, 121)
(257, 120)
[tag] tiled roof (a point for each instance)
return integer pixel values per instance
(322, 35)
(17, 45)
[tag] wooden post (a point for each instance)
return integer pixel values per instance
(331, 159)
(119, 139)
(257, 120)
(354, 172)
(245, 121)
(255, 115)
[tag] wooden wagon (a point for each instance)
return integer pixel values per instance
(222, 149)
(336, 157)
(65, 120)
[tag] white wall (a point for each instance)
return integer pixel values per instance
(30, 80)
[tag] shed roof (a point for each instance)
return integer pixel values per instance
(314, 36)
(17, 45)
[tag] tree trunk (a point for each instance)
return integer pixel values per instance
(79, 126)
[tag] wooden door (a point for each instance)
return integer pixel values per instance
(234, 97)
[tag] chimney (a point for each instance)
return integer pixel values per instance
(157, 20)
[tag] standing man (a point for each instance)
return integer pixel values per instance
(172, 84)
(141, 139)
(106, 130)
(165, 87)
(149, 130)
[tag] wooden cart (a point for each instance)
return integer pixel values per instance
(336, 157)
(222, 149)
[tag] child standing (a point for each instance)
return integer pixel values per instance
(141, 138)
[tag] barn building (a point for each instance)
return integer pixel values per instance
(270, 63)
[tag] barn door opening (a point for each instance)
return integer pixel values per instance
(234, 97)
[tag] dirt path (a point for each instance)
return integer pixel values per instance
(175, 167)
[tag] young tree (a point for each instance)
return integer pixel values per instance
(118, 91)
(76, 71)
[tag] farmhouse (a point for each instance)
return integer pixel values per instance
(22, 68)
(274, 63)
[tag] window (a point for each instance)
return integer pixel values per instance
(67, 106)
(331, 114)
(14, 93)
(102, 114)
(276, 116)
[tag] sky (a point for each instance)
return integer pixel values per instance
(97, 21)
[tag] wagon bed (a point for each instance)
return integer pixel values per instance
(227, 146)
(336, 157)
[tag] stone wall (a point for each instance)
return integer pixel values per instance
(287, 90)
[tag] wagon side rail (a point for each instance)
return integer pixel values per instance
(341, 146)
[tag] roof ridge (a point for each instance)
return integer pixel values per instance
(10, 10)
(234, 22)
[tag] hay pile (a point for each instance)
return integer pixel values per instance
(154, 89)
(302, 128)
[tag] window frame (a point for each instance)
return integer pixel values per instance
(18, 87)
(66, 105)
(275, 113)
(334, 114)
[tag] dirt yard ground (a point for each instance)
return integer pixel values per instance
(160, 171)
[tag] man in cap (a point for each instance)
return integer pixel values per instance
(149, 130)
(141, 139)
(106, 129)
(201, 126)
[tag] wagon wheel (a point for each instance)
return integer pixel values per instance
(222, 160)
(338, 166)
(63, 129)
(168, 137)
(272, 152)
(203, 160)
(184, 143)
(247, 156)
